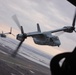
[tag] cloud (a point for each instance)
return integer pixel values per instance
(50, 14)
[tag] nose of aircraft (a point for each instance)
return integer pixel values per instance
(58, 43)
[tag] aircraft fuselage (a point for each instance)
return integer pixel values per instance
(51, 41)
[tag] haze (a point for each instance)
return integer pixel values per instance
(50, 14)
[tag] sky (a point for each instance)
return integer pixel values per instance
(50, 14)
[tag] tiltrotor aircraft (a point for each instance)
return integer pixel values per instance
(42, 38)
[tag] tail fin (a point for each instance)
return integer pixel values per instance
(38, 28)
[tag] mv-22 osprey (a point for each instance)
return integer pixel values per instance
(42, 38)
(3, 35)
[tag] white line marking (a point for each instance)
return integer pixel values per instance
(31, 71)
(3, 52)
(13, 74)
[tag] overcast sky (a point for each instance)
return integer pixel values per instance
(50, 14)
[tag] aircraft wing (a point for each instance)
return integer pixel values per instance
(53, 31)
(43, 33)
(34, 34)
(72, 2)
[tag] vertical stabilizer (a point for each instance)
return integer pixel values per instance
(38, 28)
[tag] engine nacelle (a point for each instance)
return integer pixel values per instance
(20, 37)
(68, 29)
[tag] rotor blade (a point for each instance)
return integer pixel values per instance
(16, 21)
(17, 49)
(11, 30)
(2, 32)
(22, 31)
(13, 34)
(74, 19)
